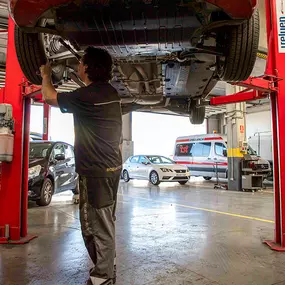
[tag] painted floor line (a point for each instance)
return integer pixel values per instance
(204, 209)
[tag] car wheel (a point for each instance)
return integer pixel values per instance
(126, 176)
(207, 178)
(241, 43)
(153, 178)
(46, 193)
(182, 182)
(31, 53)
(196, 115)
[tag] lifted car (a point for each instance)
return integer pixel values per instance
(167, 53)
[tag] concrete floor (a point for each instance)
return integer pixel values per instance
(167, 235)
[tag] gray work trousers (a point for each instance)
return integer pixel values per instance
(98, 198)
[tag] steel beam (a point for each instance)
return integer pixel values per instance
(237, 97)
(263, 84)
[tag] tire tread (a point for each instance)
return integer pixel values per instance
(29, 54)
(197, 115)
(243, 47)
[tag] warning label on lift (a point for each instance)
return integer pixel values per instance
(280, 13)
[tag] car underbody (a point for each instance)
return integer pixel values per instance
(169, 55)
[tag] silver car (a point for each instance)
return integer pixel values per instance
(155, 168)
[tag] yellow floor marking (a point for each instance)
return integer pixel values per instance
(204, 209)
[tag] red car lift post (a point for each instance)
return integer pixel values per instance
(14, 177)
(276, 66)
(2, 90)
(271, 84)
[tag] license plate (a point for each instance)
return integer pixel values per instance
(181, 174)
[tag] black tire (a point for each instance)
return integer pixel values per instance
(207, 178)
(154, 178)
(182, 182)
(241, 42)
(126, 176)
(46, 193)
(196, 115)
(31, 56)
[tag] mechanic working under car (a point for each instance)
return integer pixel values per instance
(98, 125)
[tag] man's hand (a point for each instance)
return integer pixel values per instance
(46, 71)
(48, 91)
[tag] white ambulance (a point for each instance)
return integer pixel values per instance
(206, 155)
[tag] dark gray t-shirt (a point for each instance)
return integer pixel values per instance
(98, 127)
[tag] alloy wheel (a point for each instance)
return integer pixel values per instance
(48, 192)
(126, 176)
(153, 178)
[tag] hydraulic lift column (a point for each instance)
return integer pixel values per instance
(14, 177)
(235, 137)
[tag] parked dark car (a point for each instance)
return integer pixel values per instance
(169, 54)
(51, 170)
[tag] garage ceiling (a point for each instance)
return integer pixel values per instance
(219, 90)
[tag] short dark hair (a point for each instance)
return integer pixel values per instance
(99, 64)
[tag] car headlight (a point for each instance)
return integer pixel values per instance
(165, 170)
(34, 171)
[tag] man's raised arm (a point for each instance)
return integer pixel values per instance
(48, 91)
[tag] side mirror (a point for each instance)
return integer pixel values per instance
(59, 157)
(225, 153)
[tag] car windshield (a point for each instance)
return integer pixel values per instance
(155, 159)
(39, 150)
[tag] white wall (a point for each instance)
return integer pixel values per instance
(36, 122)
(61, 126)
(259, 133)
(258, 122)
(156, 134)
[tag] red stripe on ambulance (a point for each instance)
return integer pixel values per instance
(199, 140)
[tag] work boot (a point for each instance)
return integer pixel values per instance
(76, 199)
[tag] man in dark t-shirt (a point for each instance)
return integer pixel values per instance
(97, 114)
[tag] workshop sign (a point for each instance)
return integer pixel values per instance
(280, 14)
